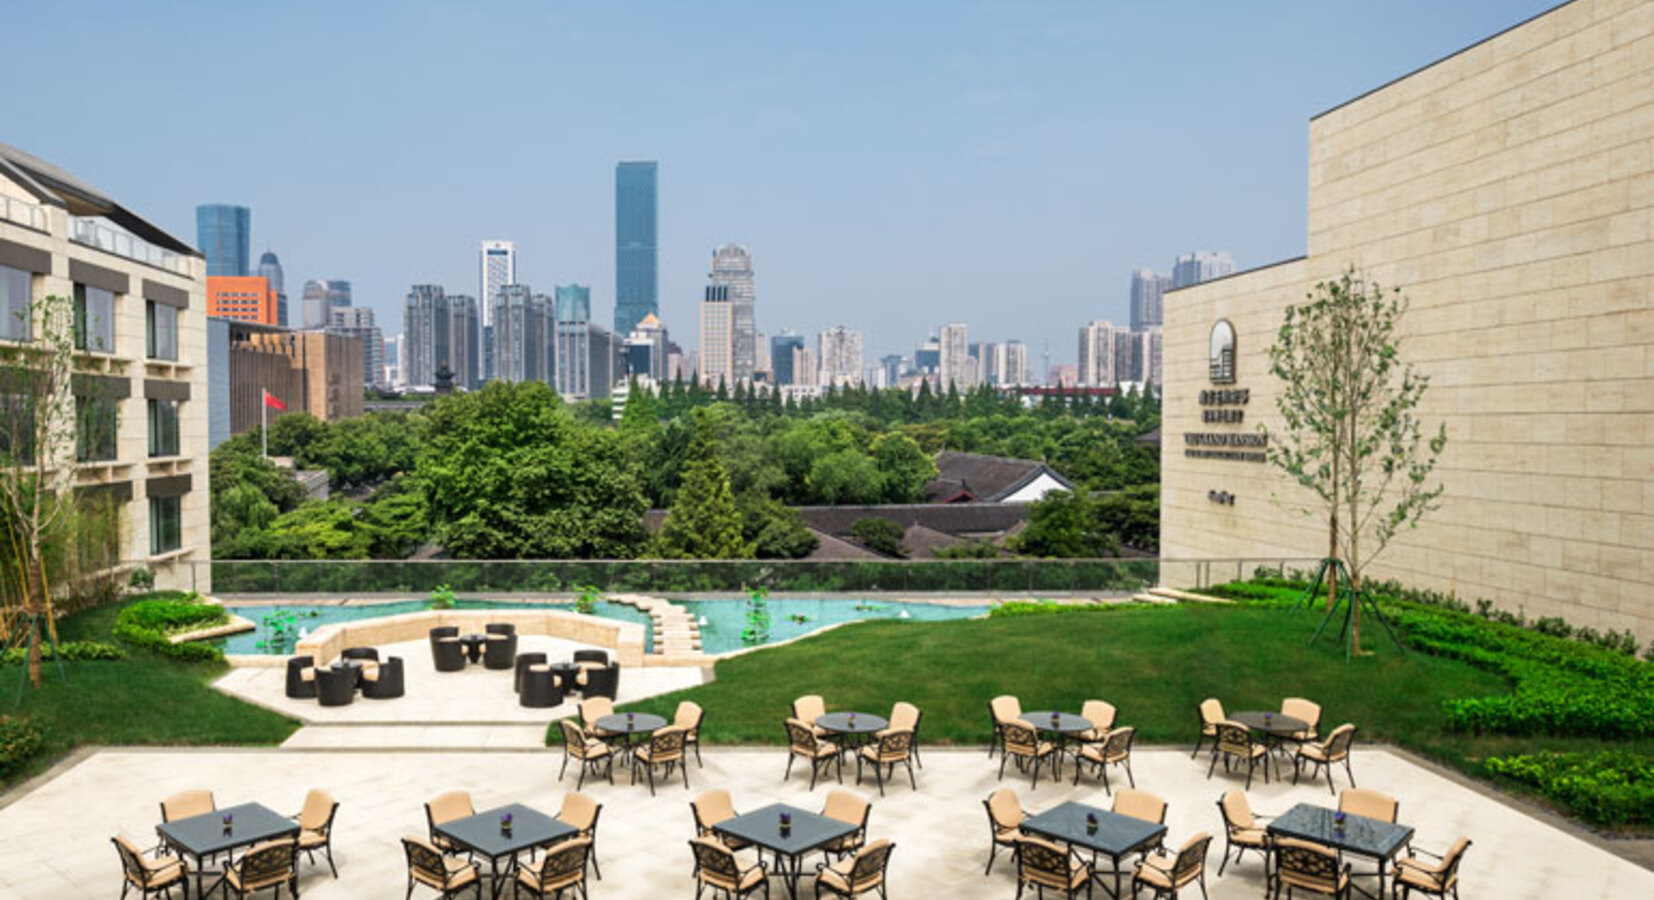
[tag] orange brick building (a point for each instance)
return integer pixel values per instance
(243, 298)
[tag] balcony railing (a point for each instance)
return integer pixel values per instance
(93, 233)
(29, 215)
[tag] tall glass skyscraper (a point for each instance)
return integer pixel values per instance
(635, 248)
(225, 235)
(269, 266)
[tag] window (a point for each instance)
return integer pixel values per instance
(16, 429)
(16, 286)
(95, 422)
(163, 427)
(161, 331)
(166, 524)
(94, 319)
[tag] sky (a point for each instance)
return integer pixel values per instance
(892, 166)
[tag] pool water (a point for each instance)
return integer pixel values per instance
(311, 616)
(723, 621)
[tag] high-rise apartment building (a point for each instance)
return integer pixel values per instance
(1129, 356)
(440, 334)
(357, 322)
(245, 299)
(574, 342)
(717, 336)
(1013, 363)
(953, 365)
(636, 251)
(1147, 288)
(839, 349)
(394, 365)
(225, 234)
(781, 356)
(523, 334)
(804, 368)
(1193, 268)
(269, 268)
(890, 370)
(732, 268)
(497, 267)
(603, 360)
(1153, 344)
(1096, 357)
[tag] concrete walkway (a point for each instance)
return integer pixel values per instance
(57, 837)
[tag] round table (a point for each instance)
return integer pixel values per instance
(852, 729)
(565, 673)
(643, 724)
(473, 645)
(353, 664)
(1064, 725)
(1273, 724)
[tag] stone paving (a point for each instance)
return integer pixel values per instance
(57, 835)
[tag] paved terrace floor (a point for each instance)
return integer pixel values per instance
(57, 836)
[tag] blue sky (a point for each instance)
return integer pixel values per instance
(892, 166)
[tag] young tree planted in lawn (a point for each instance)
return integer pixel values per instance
(704, 522)
(1351, 433)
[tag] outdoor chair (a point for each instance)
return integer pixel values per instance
(182, 805)
(1335, 749)
(1168, 875)
(150, 875)
(1021, 741)
(893, 748)
(1369, 803)
(688, 717)
(1438, 879)
(1241, 831)
(446, 808)
(335, 687)
(427, 866)
(271, 864)
(362, 653)
(539, 688)
(1309, 711)
(1005, 815)
(664, 750)
(711, 808)
(563, 868)
(1211, 713)
(499, 650)
(504, 628)
(808, 709)
(1145, 805)
(599, 681)
(905, 716)
(1303, 866)
(598, 658)
(802, 741)
(301, 677)
(717, 868)
(447, 654)
(1234, 742)
(1114, 750)
(316, 826)
(1002, 709)
(384, 681)
(524, 660)
(444, 631)
(580, 812)
(1042, 864)
(851, 809)
(591, 752)
(859, 875)
(594, 708)
(1101, 714)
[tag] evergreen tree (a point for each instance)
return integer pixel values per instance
(704, 522)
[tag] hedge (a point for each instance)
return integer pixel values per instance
(149, 624)
(1018, 608)
(1613, 787)
(21, 739)
(73, 651)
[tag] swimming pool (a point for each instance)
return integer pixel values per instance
(308, 617)
(723, 621)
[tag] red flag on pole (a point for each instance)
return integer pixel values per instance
(271, 401)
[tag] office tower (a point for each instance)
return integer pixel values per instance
(1096, 358)
(269, 268)
(717, 336)
(635, 248)
(497, 267)
(357, 322)
(394, 368)
(1193, 268)
(439, 333)
(732, 268)
(840, 352)
(245, 299)
(953, 357)
(781, 356)
(338, 295)
(603, 360)
(1013, 363)
(891, 369)
(1147, 286)
(644, 350)
(927, 357)
(574, 341)
(313, 304)
(225, 233)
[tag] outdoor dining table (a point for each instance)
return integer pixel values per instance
(1115, 836)
(207, 835)
(1345, 833)
(1275, 727)
(484, 834)
(1063, 726)
(806, 831)
(473, 644)
(852, 729)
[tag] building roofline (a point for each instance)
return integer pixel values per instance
(1281, 262)
(1462, 50)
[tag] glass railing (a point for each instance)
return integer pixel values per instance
(29, 215)
(1003, 577)
(94, 233)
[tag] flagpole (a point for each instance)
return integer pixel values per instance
(264, 420)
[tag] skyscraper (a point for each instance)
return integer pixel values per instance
(645, 350)
(1014, 363)
(338, 296)
(781, 356)
(1096, 358)
(1128, 356)
(732, 268)
(1147, 286)
(635, 248)
(718, 336)
(523, 334)
(839, 349)
(890, 369)
(313, 306)
(464, 327)
(953, 357)
(496, 268)
(357, 322)
(439, 331)
(574, 341)
(269, 268)
(225, 234)
(1193, 268)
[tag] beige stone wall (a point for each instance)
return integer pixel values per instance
(1510, 191)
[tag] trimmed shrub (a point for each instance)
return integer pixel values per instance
(1613, 787)
(1020, 608)
(149, 623)
(73, 651)
(21, 739)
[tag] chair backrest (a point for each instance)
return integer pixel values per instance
(1005, 708)
(268, 863)
(565, 863)
(1118, 742)
(712, 807)
(579, 811)
(846, 807)
(666, 744)
(1191, 859)
(594, 708)
(1140, 804)
(184, 804)
(1211, 711)
(444, 631)
(1302, 864)
(800, 736)
(601, 657)
(809, 707)
(574, 737)
(1237, 813)
(317, 814)
(1100, 713)
(1233, 737)
(689, 714)
(1370, 803)
(449, 806)
(1337, 744)
(425, 862)
(904, 716)
(868, 870)
(1004, 810)
(1020, 737)
(1299, 708)
(499, 628)
(715, 863)
(1043, 862)
(1450, 862)
(131, 860)
(895, 745)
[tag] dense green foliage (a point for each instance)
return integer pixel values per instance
(21, 740)
(1613, 787)
(150, 623)
(1067, 524)
(704, 522)
(878, 535)
(70, 651)
(1019, 608)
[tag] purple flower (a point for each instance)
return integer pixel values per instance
(228, 818)
(1338, 818)
(1090, 818)
(505, 819)
(786, 818)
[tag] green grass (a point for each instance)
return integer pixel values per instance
(144, 699)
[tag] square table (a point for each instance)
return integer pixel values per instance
(1115, 837)
(204, 837)
(1360, 835)
(810, 831)
(481, 835)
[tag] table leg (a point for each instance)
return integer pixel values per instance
(494, 876)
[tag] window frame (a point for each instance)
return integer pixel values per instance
(153, 348)
(83, 326)
(10, 316)
(160, 428)
(85, 406)
(163, 526)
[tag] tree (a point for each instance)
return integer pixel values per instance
(1351, 435)
(879, 535)
(1066, 524)
(903, 468)
(845, 477)
(703, 523)
(776, 530)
